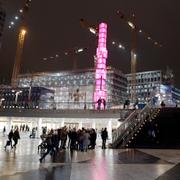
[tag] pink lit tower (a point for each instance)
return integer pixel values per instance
(101, 55)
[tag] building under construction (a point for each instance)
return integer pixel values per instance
(154, 83)
(144, 84)
(75, 89)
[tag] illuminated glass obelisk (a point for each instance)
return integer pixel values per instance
(100, 76)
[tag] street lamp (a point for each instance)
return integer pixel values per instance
(16, 97)
(131, 24)
(1, 100)
(94, 31)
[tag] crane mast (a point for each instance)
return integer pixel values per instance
(133, 60)
(20, 44)
(134, 31)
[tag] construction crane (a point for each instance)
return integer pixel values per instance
(134, 30)
(20, 43)
(92, 29)
(133, 58)
(85, 24)
(72, 52)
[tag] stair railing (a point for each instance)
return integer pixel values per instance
(123, 134)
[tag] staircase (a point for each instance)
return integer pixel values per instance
(132, 125)
(162, 132)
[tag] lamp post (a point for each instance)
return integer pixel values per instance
(1, 100)
(16, 97)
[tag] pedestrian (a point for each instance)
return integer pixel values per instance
(86, 140)
(9, 142)
(33, 133)
(163, 104)
(126, 104)
(104, 103)
(4, 131)
(73, 139)
(99, 103)
(16, 137)
(63, 137)
(135, 106)
(93, 137)
(50, 148)
(80, 135)
(104, 136)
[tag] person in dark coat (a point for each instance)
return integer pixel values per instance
(163, 104)
(49, 146)
(104, 136)
(104, 103)
(99, 103)
(16, 137)
(9, 142)
(93, 137)
(4, 131)
(73, 139)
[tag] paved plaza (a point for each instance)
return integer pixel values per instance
(108, 164)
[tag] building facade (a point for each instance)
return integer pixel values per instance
(2, 22)
(176, 95)
(146, 83)
(26, 98)
(75, 89)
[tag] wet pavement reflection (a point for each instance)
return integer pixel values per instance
(23, 163)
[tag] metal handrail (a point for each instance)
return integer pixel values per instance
(47, 104)
(130, 125)
(146, 114)
(119, 131)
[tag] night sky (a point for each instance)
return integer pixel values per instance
(54, 27)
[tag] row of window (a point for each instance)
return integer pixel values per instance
(146, 75)
(146, 80)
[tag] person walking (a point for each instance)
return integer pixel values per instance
(99, 104)
(4, 131)
(9, 141)
(16, 137)
(86, 140)
(93, 137)
(163, 104)
(104, 136)
(73, 139)
(63, 137)
(50, 147)
(104, 103)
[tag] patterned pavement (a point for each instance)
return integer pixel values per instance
(120, 164)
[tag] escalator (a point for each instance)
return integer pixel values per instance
(127, 132)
